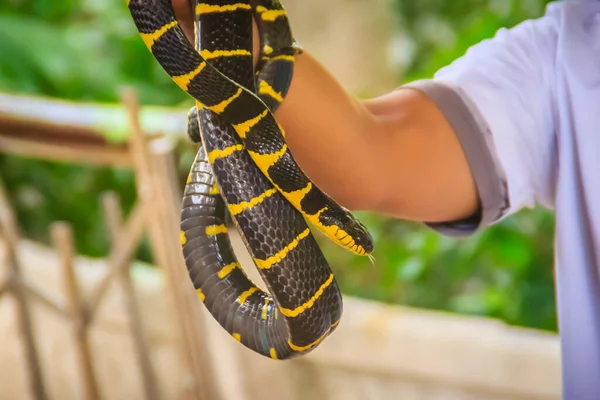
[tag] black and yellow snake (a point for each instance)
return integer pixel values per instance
(244, 169)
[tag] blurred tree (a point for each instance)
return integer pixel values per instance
(80, 50)
(86, 49)
(440, 31)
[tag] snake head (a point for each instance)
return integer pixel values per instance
(348, 226)
(361, 235)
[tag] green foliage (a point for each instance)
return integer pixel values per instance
(80, 50)
(441, 31)
(44, 192)
(504, 272)
(86, 49)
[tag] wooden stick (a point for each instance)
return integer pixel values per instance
(162, 234)
(114, 220)
(161, 150)
(5, 287)
(8, 228)
(124, 245)
(150, 193)
(113, 215)
(62, 238)
(97, 154)
(87, 118)
(162, 164)
(44, 299)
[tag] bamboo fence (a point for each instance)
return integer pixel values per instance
(152, 161)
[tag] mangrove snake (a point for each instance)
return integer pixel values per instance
(244, 169)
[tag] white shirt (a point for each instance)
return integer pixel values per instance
(525, 106)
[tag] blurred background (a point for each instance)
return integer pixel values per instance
(69, 54)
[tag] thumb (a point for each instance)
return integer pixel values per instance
(185, 15)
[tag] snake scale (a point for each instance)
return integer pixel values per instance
(244, 169)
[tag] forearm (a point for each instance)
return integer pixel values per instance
(395, 154)
(325, 129)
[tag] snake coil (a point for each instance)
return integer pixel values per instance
(245, 170)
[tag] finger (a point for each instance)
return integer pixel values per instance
(185, 15)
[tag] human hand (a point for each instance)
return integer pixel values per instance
(185, 16)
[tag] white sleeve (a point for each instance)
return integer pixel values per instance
(498, 98)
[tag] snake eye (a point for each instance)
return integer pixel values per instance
(327, 220)
(361, 236)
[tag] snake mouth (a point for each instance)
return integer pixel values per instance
(365, 241)
(361, 235)
(348, 226)
(368, 247)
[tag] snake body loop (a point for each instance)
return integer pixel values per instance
(244, 169)
(254, 123)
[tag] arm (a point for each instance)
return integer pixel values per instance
(395, 154)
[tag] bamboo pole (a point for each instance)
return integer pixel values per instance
(163, 234)
(62, 238)
(5, 287)
(8, 228)
(73, 152)
(42, 298)
(189, 303)
(124, 245)
(86, 118)
(142, 167)
(114, 222)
